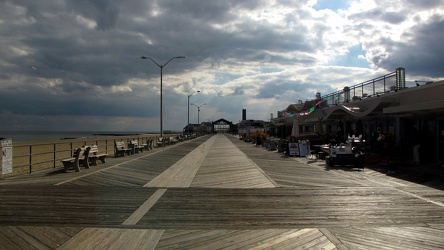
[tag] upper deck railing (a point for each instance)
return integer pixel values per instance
(393, 81)
(379, 85)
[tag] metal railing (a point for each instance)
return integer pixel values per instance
(376, 86)
(38, 156)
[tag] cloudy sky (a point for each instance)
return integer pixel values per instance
(75, 64)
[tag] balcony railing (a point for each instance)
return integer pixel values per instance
(376, 86)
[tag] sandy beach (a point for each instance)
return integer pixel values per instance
(46, 154)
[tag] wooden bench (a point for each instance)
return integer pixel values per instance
(135, 147)
(144, 146)
(73, 162)
(172, 140)
(121, 149)
(94, 155)
(168, 141)
(161, 142)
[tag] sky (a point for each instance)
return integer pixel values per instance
(75, 65)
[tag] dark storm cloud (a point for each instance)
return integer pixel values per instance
(244, 43)
(380, 15)
(239, 91)
(217, 11)
(424, 54)
(65, 57)
(106, 56)
(83, 100)
(276, 88)
(104, 12)
(60, 48)
(424, 4)
(107, 14)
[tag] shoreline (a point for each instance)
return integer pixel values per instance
(36, 136)
(97, 136)
(77, 139)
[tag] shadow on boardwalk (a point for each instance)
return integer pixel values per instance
(235, 196)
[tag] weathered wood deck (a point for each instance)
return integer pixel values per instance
(217, 192)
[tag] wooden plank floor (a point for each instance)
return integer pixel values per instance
(226, 194)
(227, 167)
(182, 173)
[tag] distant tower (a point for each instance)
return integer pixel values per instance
(244, 114)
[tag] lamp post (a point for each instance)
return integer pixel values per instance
(198, 111)
(161, 71)
(188, 124)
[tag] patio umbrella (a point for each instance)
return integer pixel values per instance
(295, 129)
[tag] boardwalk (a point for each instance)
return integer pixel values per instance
(217, 192)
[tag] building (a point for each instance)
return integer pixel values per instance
(246, 127)
(389, 116)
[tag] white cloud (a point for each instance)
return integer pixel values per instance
(121, 89)
(90, 24)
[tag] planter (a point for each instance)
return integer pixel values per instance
(272, 146)
(258, 141)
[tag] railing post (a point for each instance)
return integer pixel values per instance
(384, 84)
(54, 162)
(114, 144)
(400, 78)
(30, 158)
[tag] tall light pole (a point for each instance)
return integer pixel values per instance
(188, 124)
(161, 72)
(198, 111)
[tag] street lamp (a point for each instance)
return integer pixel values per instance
(188, 124)
(198, 111)
(161, 70)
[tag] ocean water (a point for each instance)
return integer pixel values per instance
(54, 135)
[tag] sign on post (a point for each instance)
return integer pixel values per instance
(304, 148)
(300, 148)
(6, 156)
(293, 148)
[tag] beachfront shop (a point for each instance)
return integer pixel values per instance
(391, 120)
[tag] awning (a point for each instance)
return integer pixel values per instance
(425, 106)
